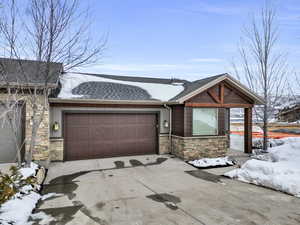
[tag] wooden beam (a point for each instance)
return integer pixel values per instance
(213, 96)
(214, 105)
(222, 93)
(248, 130)
(242, 95)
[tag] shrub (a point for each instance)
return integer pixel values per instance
(12, 183)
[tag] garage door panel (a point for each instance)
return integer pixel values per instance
(142, 132)
(109, 135)
(97, 151)
(126, 133)
(78, 149)
(95, 119)
(79, 134)
(75, 120)
(101, 133)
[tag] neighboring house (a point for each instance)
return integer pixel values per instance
(21, 74)
(289, 113)
(95, 116)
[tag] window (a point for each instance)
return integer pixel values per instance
(205, 121)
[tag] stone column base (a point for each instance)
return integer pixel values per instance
(56, 149)
(164, 144)
(191, 148)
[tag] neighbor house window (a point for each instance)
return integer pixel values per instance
(205, 121)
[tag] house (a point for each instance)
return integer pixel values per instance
(21, 74)
(96, 115)
(289, 114)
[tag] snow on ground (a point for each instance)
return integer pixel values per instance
(18, 209)
(208, 162)
(43, 218)
(237, 127)
(237, 142)
(162, 92)
(29, 171)
(279, 169)
(50, 195)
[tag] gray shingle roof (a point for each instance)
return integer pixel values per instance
(110, 91)
(28, 72)
(192, 86)
(118, 91)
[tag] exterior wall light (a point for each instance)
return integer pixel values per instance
(55, 126)
(166, 124)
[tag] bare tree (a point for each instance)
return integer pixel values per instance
(261, 65)
(11, 118)
(46, 31)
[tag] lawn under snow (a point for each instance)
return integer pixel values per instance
(209, 162)
(279, 169)
(162, 92)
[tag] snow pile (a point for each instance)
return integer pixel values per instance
(210, 162)
(50, 195)
(162, 92)
(29, 171)
(18, 209)
(237, 142)
(43, 218)
(279, 169)
(258, 142)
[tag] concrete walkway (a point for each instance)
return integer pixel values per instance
(159, 190)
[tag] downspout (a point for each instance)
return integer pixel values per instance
(170, 125)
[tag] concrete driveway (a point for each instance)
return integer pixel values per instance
(159, 190)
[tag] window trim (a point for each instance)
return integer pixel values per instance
(203, 135)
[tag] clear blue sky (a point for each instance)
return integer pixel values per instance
(182, 38)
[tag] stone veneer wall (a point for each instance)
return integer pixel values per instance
(190, 148)
(164, 144)
(56, 149)
(41, 151)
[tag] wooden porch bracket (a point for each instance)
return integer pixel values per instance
(222, 93)
(213, 96)
(248, 130)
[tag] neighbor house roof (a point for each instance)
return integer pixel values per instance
(95, 87)
(28, 72)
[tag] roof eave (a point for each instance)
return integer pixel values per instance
(201, 89)
(27, 85)
(101, 102)
(257, 99)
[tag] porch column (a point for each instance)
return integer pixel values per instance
(248, 130)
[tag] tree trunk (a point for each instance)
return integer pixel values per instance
(265, 129)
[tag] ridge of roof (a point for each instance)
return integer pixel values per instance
(142, 79)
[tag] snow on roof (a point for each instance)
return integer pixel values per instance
(156, 91)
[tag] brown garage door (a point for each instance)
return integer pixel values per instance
(89, 136)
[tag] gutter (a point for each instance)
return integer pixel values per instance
(101, 102)
(170, 125)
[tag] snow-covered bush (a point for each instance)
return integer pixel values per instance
(19, 193)
(12, 183)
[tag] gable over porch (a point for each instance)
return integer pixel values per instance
(201, 123)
